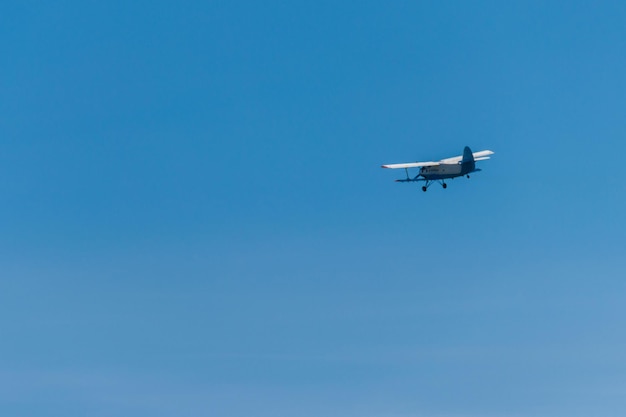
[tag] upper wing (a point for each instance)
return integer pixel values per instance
(412, 165)
(482, 154)
(478, 156)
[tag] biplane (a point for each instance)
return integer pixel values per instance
(440, 171)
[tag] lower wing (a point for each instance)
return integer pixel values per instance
(411, 165)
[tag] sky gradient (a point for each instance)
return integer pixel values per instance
(195, 222)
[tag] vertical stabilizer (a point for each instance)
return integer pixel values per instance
(467, 155)
(467, 163)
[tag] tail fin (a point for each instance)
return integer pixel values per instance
(467, 163)
(467, 155)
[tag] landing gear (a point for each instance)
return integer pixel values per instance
(467, 175)
(428, 183)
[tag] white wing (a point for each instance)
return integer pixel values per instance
(482, 154)
(412, 165)
(478, 156)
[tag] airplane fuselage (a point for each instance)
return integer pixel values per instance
(445, 171)
(439, 171)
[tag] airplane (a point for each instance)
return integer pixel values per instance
(449, 168)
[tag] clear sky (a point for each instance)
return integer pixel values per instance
(194, 221)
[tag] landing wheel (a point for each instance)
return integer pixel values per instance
(445, 185)
(424, 189)
(468, 176)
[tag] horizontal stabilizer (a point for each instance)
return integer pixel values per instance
(484, 158)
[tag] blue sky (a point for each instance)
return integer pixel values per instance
(195, 222)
